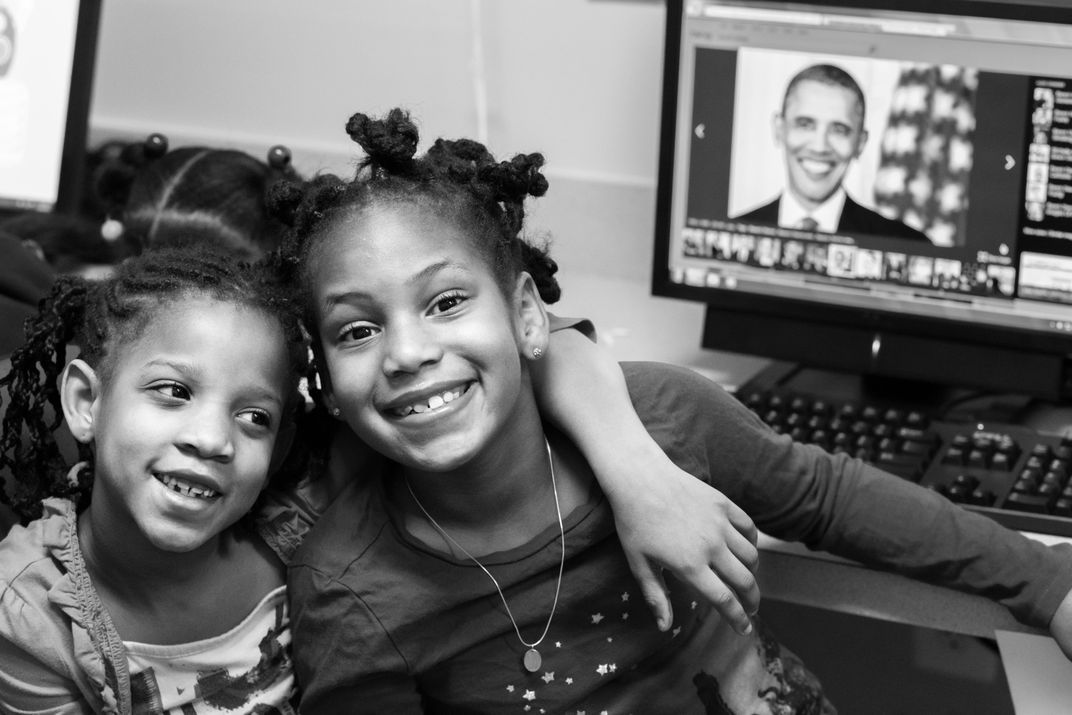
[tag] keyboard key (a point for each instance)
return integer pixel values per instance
(982, 497)
(1030, 503)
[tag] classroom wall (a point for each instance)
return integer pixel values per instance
(579, 80)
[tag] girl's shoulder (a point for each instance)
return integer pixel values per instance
(42, 551)
(39, 594)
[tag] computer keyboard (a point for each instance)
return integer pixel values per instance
(1014, 474)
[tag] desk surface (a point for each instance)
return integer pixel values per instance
(633, 325)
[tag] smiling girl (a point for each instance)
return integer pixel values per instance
(483, 572)
(138, 588)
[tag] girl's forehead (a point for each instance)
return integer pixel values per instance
(385, 232)
(182, 320)
(211, 335)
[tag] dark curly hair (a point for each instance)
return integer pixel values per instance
(100, 317)
(459, 180)
(168, 197)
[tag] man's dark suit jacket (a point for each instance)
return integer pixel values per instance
(854, 219)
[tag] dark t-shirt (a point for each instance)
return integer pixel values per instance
(383, 623)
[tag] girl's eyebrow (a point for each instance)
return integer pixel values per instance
(188, 370)
(352, 296)
(182, 366)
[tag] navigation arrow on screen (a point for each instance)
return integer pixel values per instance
(699, 131)
(1009, 162)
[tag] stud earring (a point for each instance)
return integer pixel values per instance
(336, 412)
(537, 353)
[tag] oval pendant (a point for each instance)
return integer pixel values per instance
(532, 660)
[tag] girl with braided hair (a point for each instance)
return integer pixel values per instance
(482, 569)
(135, 586)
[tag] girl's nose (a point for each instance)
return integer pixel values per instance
(410, 346)
(207, 433)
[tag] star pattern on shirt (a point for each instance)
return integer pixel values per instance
(597, 618)
(529, 695)
(548, 677)
(625, 597)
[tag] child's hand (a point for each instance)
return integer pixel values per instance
(677, 522)
(1061, 626)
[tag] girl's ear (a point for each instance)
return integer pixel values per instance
(532, 324)
(80, 392)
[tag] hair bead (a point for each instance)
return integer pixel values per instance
(279, 157)
(156, 145)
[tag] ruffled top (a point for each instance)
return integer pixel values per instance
(75, 638)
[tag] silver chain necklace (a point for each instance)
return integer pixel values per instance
(532, 659)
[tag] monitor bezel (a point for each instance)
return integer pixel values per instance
(79, 103)
(779, 327)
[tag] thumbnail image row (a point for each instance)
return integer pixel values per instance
(838, 260)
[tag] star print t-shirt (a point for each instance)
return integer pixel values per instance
(383, 623)
(246, 670)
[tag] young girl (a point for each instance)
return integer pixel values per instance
(483, 573)
(138, 588)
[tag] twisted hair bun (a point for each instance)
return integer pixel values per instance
(389, 143)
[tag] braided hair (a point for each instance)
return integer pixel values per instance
(190, 194)
(100, 317)
(459, 180)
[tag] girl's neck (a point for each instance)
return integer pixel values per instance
(165, 598)
(130, 566)
(500, 500)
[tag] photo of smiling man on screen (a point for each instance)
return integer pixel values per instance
(820, 131)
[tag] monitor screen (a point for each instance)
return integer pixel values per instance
(47, 50)
(872, 189)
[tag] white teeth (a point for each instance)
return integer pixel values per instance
(184, 488)
(434, 403)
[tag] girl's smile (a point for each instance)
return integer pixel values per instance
(431, 402)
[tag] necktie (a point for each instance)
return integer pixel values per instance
(808, 224)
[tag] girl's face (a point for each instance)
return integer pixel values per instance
(420, 344)
(185, 426)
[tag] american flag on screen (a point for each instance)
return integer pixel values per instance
(926, 151)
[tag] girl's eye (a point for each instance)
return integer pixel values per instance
(447, 302)
(260, 418)
(356, 332)
(172, 390)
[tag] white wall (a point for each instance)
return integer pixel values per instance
(579, 80)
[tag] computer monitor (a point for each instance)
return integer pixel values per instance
(904, 210)
(47, 53)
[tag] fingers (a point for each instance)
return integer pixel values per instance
(724, 599)
(734, 567)
(653, 589)
(742, 522)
